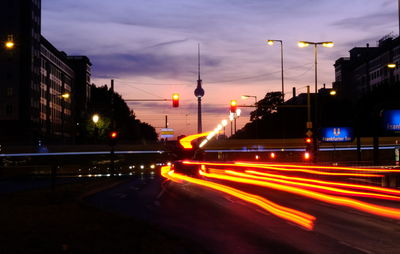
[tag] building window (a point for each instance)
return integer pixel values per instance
(9, 109)
(9, 92)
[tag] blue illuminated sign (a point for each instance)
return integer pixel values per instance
(337, 134)
(391, 119)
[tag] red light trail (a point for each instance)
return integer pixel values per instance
(238, 164)
(320, 167)
(347, 185)
(337, 200)
(295, 216)
(320, 187)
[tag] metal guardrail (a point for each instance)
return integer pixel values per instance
(249, 150)
(78, 153)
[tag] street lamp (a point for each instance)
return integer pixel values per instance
(65, 95)
(244, 97)
(271, 43)
(95, 118)
(9, 44)
(326, 44)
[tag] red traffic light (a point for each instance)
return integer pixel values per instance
(233, 106)
(113, 134)
(308, 140)
(175, 100)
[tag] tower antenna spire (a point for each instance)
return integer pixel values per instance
(199, 92)
(198, 58)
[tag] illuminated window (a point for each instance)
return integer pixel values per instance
(9, 92)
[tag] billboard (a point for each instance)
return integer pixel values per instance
(167, 133)
(337, 134)
(391, 120)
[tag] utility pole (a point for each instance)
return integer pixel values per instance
(235, 122)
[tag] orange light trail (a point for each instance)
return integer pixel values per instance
(314, 186)
(347, 185)
(323, 167)
(343, 201)
(186, 142)
(281, 169)
(295, 216)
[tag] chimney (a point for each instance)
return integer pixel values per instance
(294, 89)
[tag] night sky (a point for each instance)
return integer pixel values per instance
(150, 47)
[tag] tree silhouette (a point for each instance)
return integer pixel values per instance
(129, 128)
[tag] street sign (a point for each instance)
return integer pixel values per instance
(391, 120)
(167, 132)
(309, 133)
(337, 134)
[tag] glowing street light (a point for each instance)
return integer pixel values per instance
(303, 44)
(332, 92)
(9, 44)
(65, 95)
(95, 118)
(244, 97)
(391, 65)
(328, 44)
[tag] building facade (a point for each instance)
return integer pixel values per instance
(40, 86)
(56, 83)
(367, 68)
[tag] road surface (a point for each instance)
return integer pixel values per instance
(217, 222)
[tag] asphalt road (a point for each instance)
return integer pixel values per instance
(219, 223)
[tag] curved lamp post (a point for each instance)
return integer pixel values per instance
(271, 43)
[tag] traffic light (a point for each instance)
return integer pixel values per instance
(309, 147)
(113, 135)
(175, 100)
(233, 106)
(113, 138)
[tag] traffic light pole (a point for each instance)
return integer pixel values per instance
(112, 153)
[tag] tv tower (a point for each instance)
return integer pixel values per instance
(199, 92)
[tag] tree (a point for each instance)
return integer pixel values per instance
(267, 106)
(264, 120)
(129, 128)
